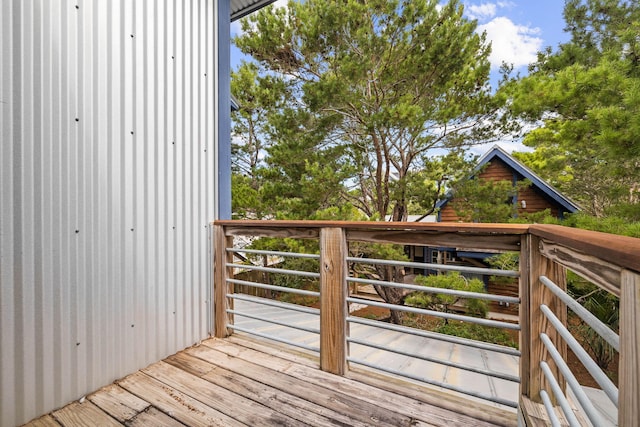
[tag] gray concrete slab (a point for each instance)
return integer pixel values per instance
(414, 367)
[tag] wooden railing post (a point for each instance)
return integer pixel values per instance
(524, 289)
(533, 321)
(629, 368)
(333, 303)
(220, 286)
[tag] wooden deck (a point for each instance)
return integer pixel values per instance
(242, 381)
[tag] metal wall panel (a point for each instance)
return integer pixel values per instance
(108, 182)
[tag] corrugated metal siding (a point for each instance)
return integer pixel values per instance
(108, 183)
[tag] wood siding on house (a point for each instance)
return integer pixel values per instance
(497, 170)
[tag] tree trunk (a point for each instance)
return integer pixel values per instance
(392, 295)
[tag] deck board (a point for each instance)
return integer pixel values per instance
(118, 403)
(84, 414)
(277, 374)
(288, 404)
(153, 417)
(381, 382)
(44, 421)
(243, 381)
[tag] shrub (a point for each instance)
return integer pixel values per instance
(478, 333)
(444, 302)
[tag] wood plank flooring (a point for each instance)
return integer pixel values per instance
(241, 381)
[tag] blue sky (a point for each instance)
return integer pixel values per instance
(517, 29)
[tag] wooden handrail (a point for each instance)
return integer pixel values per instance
(616, 250)
(457, 227)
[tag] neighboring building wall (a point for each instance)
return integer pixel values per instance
(108, 182)
(497, 170)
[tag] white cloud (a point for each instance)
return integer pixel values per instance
(506, 4)
(481, 12)
(511, 43)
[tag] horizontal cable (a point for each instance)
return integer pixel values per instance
(601, 378)
(420, 288)
(273, 338)
(560, 397)
(596, 324)
(277, 253)
(274, 270)
(274, 287)
(583, 399)
(553, 417)
(477, 320)
(272, 303)
(275, 322)
(434, 382)
(439, 267)
(436, 336)
(485, 372)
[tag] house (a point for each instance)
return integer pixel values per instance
(115, 157)
(496, 165)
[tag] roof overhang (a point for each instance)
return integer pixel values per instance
(241, 8)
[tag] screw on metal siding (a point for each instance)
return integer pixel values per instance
(131, 132)
(77, 231)
(77, 119)
(132, 229)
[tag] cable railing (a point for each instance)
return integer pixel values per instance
(542, 386)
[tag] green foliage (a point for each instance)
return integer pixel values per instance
(477, 332)
(425, 187)
(541, 217)
(445, 302)
(289, 263)
(587, 95)
(612, 225)
(504, 261)
(391, 295)
(477, 200)
(246, 200)
(357, 95)
(297, 282)
(605, 307)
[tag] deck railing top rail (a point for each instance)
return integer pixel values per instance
(621, 251)
(457, 227)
